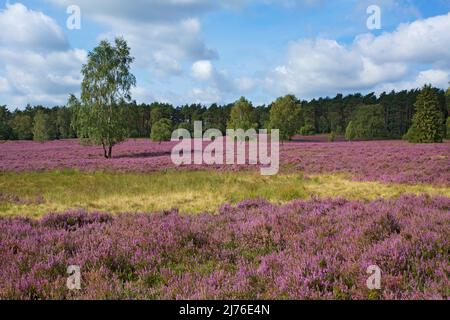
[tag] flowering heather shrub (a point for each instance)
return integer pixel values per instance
(255, 250)
(386, 161)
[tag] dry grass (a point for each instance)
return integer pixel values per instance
(35, 194)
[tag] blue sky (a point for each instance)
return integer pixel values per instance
(216, 51)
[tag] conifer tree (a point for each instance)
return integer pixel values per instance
(428, 121)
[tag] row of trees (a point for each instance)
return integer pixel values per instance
(106, 115)
(37, 123)
(388, 116)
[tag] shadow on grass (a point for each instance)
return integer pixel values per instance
(143, 155)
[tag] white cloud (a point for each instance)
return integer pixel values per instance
(162, 34)
(317, 66)
(23, 29)
(202, 70)
(4, 85)
(37, 66)
(401, 58)
(164, 65)
(207, 95)
(217, 83)
(437, 78)
(245, 84)
(422, 41)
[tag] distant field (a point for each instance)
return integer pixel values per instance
(385, 161)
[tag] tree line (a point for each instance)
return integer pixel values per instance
(388, 116)
(105, 114)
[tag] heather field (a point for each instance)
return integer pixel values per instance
(141, 228)
(236, 158)
(385, 161)
(316, 249)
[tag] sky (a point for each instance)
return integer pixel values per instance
(207, 51)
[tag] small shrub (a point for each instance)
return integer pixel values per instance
(307, 130)
(332, 137)
(162, 130)
(350, 132)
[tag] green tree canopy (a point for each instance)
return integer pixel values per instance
(448, 128)
(63, 123)
(162, 130)
(285, 116)
(428, 121)
(368, 122)
(350, 132)
(307, 117)
(241, 116)
(447, 95)
(105, 90)
(5, 128)
(447, 99)
(22, 125)
(307, 130)
(41, 131)
(160, 111)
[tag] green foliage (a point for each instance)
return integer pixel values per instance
(448, 128)
(322, 115)
(214, 117)
(285, 116)
(399, 110)
(162, 130)
(63, 123)
(21, 125)
(350, 132)
(332, 136)
(160, 111)
(5, 128)
(307, 130)
(241, 115)
(428, 121)
(185, 125)
(104, 92)
(261, 115)
(41, 127)
(323, 124)
(368, 122)
(447, 97)
(308, 117)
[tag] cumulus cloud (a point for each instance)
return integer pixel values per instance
(36, 62)
(202, 70)
(38, 65)
(325, 67)
(219, 83)
(23, 29)
(422, 41)
(161, 33)
(317, 66)
(438, 78)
